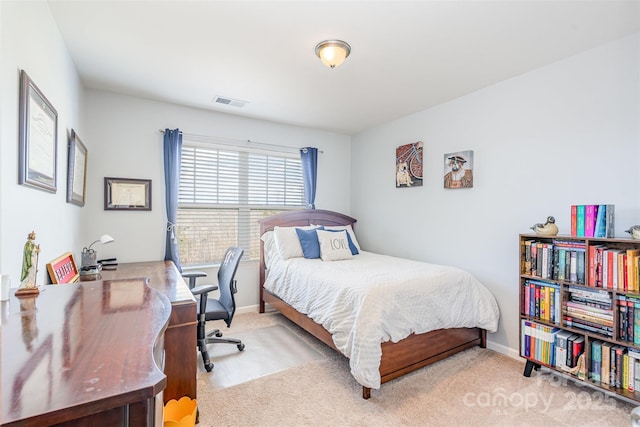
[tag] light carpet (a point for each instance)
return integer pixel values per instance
(477, 387)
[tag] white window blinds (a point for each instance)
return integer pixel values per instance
(223, 193)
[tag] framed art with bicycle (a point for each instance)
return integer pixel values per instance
(409, 165)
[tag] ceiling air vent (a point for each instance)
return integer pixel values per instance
(229, 101)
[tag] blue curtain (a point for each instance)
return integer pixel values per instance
(172, 156)
(309, 157)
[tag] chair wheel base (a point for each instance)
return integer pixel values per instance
(208, 366)
(240, 347)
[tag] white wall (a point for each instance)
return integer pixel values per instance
(565, 134)
(29, 40)
(124, 141)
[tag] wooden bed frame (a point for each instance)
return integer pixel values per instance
(407, 355)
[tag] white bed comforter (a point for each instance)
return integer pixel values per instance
(374, 298)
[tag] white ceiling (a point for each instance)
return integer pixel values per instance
(406, 56)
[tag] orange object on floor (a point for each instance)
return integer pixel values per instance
(180, 413)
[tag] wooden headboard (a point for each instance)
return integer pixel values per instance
(299, 218)
(304, 217)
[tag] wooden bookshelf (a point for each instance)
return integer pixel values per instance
(581, 289)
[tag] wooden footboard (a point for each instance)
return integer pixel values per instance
(407, 355)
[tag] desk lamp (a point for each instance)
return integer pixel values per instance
(89, 255)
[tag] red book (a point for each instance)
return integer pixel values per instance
(574, 220)
(599, 264)
(610, 256)
(593, 263)
(578, 349)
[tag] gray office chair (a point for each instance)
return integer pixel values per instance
(222, 308)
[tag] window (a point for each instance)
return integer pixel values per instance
(224, 191)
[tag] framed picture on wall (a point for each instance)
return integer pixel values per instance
(409, 165)
(76, 170)
(458, 169)
(38, 138)
(127, 194)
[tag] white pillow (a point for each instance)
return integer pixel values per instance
(349, 230)
(334, 246)
(287, 241)
(269, 248)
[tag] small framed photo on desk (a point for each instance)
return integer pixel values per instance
(127, 194)
(63, 269)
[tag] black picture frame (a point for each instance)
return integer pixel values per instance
(76, 170)
(127, 194)
(38, 138)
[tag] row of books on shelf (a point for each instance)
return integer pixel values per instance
(609, 364)
(560, 260)
(614, 365)
(614, 268)
(538, 342)
(589, 310)
(629, 319)
(542, 300)
(592, 220)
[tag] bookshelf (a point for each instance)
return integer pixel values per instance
(580, 310)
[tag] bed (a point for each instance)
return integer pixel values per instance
(400, 348)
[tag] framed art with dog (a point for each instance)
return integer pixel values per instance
(458, 169)
(409, 165)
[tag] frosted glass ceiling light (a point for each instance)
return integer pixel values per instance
(333, 52)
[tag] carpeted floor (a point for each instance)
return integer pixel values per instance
(478, 387)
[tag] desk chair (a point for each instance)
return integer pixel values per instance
(216, 309)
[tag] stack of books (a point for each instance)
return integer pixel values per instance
(615, 365)
(561, 260)
(629, 319)
(570, 261)
(614, 268)
(589, 310)
(568, 348)
(542, 301)
(538, 342)
(592, 220)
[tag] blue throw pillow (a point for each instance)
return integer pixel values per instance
(354, 249)
(309, 242)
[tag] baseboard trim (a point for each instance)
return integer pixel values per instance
(247, 309)
(507, 351)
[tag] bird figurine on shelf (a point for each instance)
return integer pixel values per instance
(549, 228)
(634, 231)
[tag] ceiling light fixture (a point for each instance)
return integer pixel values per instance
(332, 52)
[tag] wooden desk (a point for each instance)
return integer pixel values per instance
(84, 354)
(180, 336)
